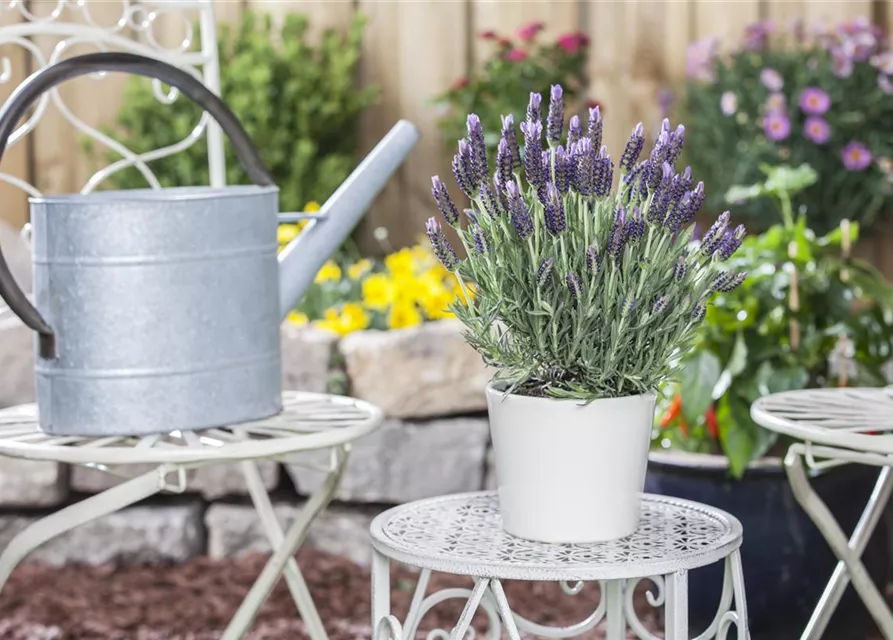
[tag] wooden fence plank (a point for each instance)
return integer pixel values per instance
(322, 14)
(836, 10)
(16, 159)
(59, 160)
(725, 20)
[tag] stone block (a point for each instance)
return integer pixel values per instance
(405, 461)
(143, 534)
(307, 356)
(32, 483)
(417, 372)
(212, 482)
(234, 530)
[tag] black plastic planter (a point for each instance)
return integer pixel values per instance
(787, 562)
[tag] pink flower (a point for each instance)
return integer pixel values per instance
(771, 79)
(528, 32)
(883, 62)
(700, 57)
(461, 83)
(883, 82)
(817, 130)
(728, 103)
(776, 103)
(841, 63)
(814, 101)
(488, 35)
(856, 156)
(573, 42)
(776, 126)
(516, 55)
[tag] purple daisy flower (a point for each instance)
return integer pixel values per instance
(728, 103)
(776, 126)
(814, 101)
(771, 79)
(883, 82)
(856, 156)
(817, 130)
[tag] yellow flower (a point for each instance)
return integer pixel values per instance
(400, 263)
(352, 318)
(298, 318)
(403, 315)
(312, 206)
(408, 289)
(436, 304)
(359, 269)
(286, 233)
(378, 291)
(329, 272)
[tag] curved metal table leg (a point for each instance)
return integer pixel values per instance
(292, 540)
(109, 501)
(847, 551)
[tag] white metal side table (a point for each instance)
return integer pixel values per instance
(836, 427)
(462, 534)
(309, 421)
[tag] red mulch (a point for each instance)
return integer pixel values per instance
(194, 601)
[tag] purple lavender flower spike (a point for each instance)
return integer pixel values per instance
(661, 202)
(544, 272)
(635, 226)
(696, 202)
(554, 210)
(698, 312)
(605, 175)
(563, 169)
(499, 192)
(463, 169)
(676, 220)
(658, 156)
(617, 239)
(730, 242)
(441, 246)
(676, 142)
(594, 132)
(633, 148)
(593, 260)
(481, 239)
(574, 286)
(508, 132)
(555, 119)
(471, 215)
(728, 281)
(491, 204)
(504, 160)
(534, 113)
(444, 201)
(635, 173)
(680, 269)
(661, 304)
(574, 132)
(710, 241)
(518, 210)
(533, 158)
(584, 173)
(478, 147)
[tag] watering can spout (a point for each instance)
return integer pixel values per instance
(306, 254)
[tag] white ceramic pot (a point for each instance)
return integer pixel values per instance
(569, 472)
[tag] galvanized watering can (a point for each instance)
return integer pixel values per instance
(159, 310)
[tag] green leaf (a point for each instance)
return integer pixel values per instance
(741, 438)
(738, 359)
(739, 193)
(698, 377)
(782, 379)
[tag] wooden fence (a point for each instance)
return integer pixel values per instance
(416, 48)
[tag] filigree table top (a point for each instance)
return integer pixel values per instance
(463, 534)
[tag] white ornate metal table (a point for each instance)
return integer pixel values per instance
(309, 421)
(462, 534)
(836, 427)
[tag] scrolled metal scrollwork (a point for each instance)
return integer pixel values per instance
(655, 600)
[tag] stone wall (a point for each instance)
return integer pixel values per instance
(435, 440)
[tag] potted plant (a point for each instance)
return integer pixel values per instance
(584, 300)
(809, 315)
(818, 95)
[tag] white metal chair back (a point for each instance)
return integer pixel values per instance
(141, 27)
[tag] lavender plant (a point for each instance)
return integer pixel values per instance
(580, 291)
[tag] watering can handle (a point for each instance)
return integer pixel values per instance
(35, 85)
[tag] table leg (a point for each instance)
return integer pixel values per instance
(676, 607)
(847, 551)
(292, 540)
(381, 588)
(293, 577)
(109, 501)
(612, 592)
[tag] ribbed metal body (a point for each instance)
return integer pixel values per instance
(165, 308)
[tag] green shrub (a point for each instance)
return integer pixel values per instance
(298, 102)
